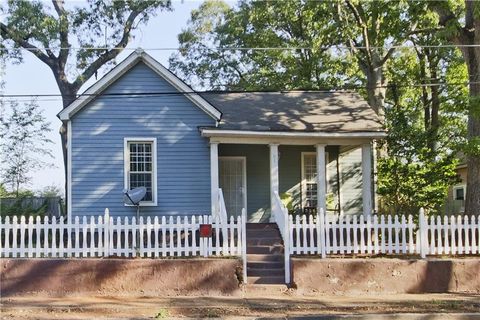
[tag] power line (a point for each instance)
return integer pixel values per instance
(338, 47)
(225, 92)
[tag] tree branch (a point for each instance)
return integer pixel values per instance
(63, 31)
(109, 54)
(9, 34)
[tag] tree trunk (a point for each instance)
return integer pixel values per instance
(68, 96)
(472, 203)
(376, 89)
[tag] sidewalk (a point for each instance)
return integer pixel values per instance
(242, 307)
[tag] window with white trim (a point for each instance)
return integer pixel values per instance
(459, 192)
(309, 179)
(140, 167)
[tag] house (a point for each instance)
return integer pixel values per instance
(140, 125)
(455, 202)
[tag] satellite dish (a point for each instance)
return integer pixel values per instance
(134, 196)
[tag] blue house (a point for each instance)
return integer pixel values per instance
(140, 125)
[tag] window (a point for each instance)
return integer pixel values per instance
(459, 192)
(140, 167)
(309, 179)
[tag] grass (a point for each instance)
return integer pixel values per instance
(162, 314)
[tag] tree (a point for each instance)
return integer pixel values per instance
(23, 136)
(265, 24)
(460, 25)
(49, 33)
(368, 28)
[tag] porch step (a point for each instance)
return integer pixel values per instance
(266, 280)
(253, 272)
(263, 233)
(265, 264)
(265, 260)
(265, 249)
(262, 226)
(262, 241)
(254, 257)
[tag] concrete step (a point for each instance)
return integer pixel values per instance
(262, 241)
(265, 264)
(266, 280)
(264, 290)
(259, 233)
(262, 226)
(252, 257)
(252, 272)
(264, 249)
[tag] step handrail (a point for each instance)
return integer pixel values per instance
(280, 215)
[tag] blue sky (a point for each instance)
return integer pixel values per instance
(33, 77)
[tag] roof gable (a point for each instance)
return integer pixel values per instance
(121, 69)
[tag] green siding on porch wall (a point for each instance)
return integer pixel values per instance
(258, 174)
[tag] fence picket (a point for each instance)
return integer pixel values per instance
(320, 234)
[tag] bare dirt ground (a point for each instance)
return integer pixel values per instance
(238, 307)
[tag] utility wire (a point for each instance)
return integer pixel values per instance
(225, 92)
(338, 47)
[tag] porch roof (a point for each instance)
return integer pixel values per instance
(298, 111)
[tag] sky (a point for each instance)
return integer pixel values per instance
(33, 77)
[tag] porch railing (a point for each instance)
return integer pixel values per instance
(106, 236)
(222, 213)
(389, 235)
(280, 215)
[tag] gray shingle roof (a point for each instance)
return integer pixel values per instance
(295, 111)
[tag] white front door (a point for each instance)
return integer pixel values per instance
(233, 182)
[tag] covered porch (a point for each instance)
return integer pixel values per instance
(308, 172)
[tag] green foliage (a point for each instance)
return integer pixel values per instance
(264, 24)
(162, 314)
(412, 175)
(50, 192)
(23, 144)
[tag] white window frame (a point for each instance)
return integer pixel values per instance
(454, 191)
(304, 181)
(126, 169)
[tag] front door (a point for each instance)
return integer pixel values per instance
(233, 182)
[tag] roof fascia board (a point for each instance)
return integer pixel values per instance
(272, 134)
(182, 87)
(121, 69)
(99, 86)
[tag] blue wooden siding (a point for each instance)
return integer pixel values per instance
(183, 158)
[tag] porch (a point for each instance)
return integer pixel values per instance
(307, 177)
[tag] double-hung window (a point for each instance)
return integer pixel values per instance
(140, 167)
(309, 179)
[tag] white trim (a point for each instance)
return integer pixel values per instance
(298, 141)
(274, 176)
(244, 178)
(276, 134)
(126, 167)
(456, 187)
(69, 171)
(214, 184)
(321, 178)
(181, 86)
(367, 179)
(121, 69)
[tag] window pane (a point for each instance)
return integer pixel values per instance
(141, 167)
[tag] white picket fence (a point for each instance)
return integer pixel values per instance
(106, 236)
(395, 235)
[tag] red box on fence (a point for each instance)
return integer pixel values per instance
(205, 230)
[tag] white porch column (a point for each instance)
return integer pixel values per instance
(321, 178)
(367, 178)
(214, 176)
(273, 175)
